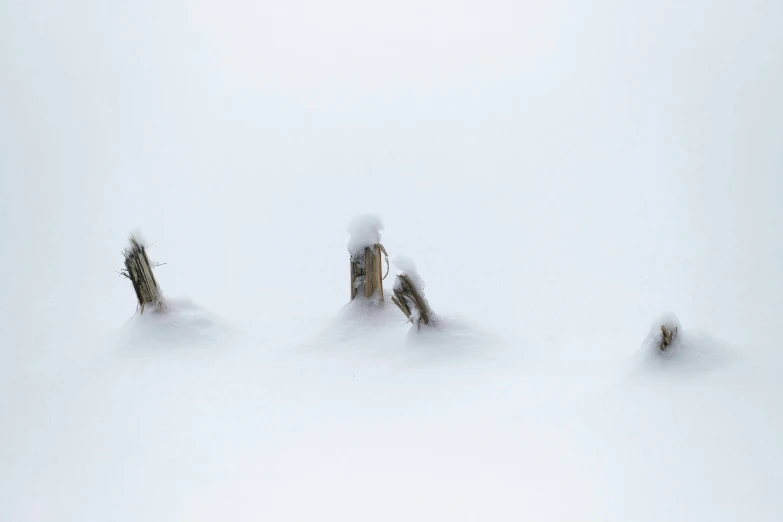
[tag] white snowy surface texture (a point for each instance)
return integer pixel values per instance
(561, 172)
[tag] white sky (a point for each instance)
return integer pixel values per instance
(605, 160)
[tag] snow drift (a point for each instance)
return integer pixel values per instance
(180, 322)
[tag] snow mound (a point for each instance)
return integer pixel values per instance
(363, 318)
(379, 330)
(365, 230)
(180, 322)
(669, 320)
(694, 350)
(408, 267)
(451, 333)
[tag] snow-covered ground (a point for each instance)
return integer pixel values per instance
(560, 173)
(380, 425)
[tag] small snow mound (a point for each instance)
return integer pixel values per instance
(361, 318)
(671, 323)
(688, 349)
(365, 230)
(408, 267)
(669, 320)
(179, 321)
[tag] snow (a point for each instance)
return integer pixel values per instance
(179, 322)
(140, 238)
(560, 171)
(408, 267)
(365, 230)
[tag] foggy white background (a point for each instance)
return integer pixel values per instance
(603, 161)
(561, 172)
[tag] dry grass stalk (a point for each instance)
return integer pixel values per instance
(139, 270)
(406, 295)
(667, 338)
